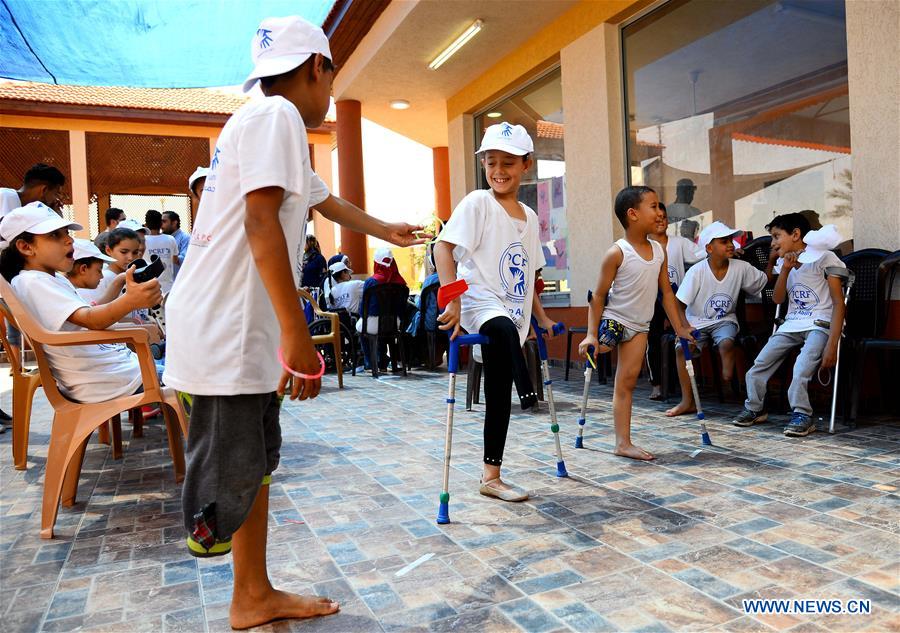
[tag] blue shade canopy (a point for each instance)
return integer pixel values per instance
(138, 43)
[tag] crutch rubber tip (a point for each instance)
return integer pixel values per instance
(443, 516)
(561, 469)
(706, 440)
(579, 443)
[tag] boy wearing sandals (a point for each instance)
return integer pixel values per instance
(242, 264)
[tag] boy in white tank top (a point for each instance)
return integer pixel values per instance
(633, 270)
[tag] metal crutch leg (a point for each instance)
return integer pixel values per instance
(582, 420)
(847, 278)
(559, 328)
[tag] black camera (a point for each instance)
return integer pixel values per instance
(144, 271)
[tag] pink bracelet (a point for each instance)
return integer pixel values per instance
(298, 374)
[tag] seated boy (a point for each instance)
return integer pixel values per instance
(815, 317)
(710, 291)
(344, 292)
(87, 274)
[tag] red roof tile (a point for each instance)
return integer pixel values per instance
(205, 101)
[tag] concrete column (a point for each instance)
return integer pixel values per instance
(461, 133)
(350, 172)
(324, 228)
(594, 144)
(78, 175)
(873, 57)
(440, 159)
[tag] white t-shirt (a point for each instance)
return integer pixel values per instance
(497, 258)
(680, 251)
(222, 333)
(85, 373)
(165, 247)
(808, 295)
(709, 300)
(9, 200)
(92, 296)
(632, 297)
(347, 294)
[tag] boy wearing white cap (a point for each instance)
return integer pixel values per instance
(493, 239)
(710, 292)
(814, 319)
(242, 263)
(344, 292)
(87, 274)
(38, 246)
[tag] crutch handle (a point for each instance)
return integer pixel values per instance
(451, 291)
(686, 347)
(455, 344)
(590, 358)
(558, 328)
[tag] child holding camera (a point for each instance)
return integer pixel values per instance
(38, 247)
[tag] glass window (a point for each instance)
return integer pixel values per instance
(538, 107)
(738, 111)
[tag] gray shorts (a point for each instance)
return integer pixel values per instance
(233, 442)
(717, 333)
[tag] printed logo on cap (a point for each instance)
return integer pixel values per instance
(717, 306)
(265, 41)
(804, 298)
(507, 130)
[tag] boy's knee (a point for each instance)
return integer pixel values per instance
(726, 346)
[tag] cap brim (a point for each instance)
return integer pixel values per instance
(54, 224)
(274, 66)
(503, 147)
(100, 256)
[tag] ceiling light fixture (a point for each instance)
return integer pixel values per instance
(457, 44)
(400, 104)
(494, 115)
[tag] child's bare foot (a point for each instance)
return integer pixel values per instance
(656, 393)
(681, 408)
(633, 452)
(251, 611)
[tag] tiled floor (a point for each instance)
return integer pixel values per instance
(671, 545)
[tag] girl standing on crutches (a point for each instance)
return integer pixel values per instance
(493, 238)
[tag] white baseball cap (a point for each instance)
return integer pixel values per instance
(134, 225)
(819, 242)
(505, 137)
(36, 218)
(282, 44)
(200, 172)
(713, 232)
(384, 256)
(86, 248)
(338, 267)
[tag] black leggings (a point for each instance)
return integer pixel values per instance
(504, 364)
(654, 344)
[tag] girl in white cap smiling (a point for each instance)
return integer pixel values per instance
(491, 241)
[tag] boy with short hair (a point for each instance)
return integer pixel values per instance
(345, 291)
(42, 183)
(710, 292)
(171, 225)
(814, 319)
(633, 271)
(242, 263)
(87, 274)
(113, 217)
(163, 246)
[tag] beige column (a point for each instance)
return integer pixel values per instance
(873, 57)
(324, 228)
(78, 176)
(461, 147)
(594, 145)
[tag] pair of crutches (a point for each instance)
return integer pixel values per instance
(445, 295)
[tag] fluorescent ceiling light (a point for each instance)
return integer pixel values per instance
(457, 44)
(400, 104)
(494, 115)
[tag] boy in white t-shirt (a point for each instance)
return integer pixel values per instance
(163, 246)
(710, 292)
(632, 273)
(814, 319)
(235, 330)
(344, 292)
(88, 275)
(39, 249)
(492, 241)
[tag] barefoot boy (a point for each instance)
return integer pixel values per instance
(241, 266)
(710, 291)
(633, 270)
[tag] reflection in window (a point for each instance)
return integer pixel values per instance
(538, 107)
(738, 111)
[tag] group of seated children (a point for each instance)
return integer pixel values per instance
(47, 270)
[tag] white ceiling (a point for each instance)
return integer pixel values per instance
(392, 61)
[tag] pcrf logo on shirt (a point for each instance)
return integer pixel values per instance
(804, 299)
(718, 306)
(672, 275)
(514, 272)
